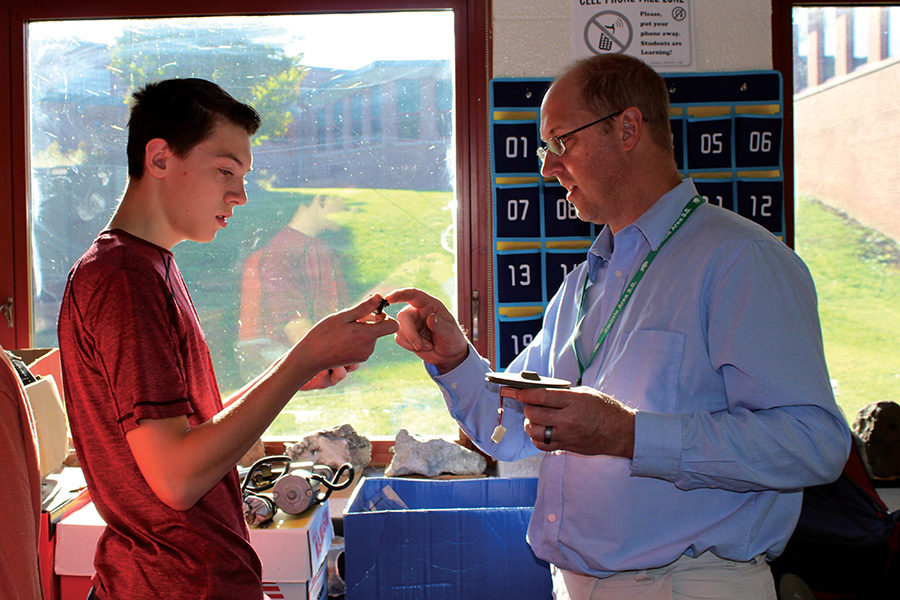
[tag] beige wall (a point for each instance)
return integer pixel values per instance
(531, 37)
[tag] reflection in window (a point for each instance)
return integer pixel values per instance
(327, 222)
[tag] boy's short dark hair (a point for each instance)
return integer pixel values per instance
(183, 112)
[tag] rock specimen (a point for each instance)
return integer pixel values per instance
(333, 448)
(414, 455)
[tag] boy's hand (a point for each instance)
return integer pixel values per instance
(344, 338)
(328, 378)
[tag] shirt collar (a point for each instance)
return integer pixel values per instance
(653, 224)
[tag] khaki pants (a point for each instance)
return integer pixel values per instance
(704, 577)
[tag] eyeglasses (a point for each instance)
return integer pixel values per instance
(555, 144)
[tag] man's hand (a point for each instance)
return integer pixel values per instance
(582, 419)
(429, 330)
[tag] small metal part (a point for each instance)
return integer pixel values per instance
(257, 511)
(381, 307)
(295, 493)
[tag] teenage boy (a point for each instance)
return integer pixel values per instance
(157, 445)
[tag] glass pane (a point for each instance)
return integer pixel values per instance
(352, 188)
(847, 205)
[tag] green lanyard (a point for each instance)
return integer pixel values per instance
(686, 212)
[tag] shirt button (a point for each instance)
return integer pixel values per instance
(618, 273)
(453, 386)
(551, 517)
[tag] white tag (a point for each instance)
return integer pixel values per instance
(499, 432)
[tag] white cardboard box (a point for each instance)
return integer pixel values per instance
(315, 589)
(292, 552)
(293, 547)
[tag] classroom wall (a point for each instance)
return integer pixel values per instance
(531, 37)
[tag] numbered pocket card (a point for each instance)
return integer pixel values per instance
(514, 334)
(517, 211)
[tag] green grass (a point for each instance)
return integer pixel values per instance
(857, 275)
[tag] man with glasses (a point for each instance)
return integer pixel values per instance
(701, 403)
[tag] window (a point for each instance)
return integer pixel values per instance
(847, 208)
(80, 73)
(321, 129)
(356, 111)
(444, 103)
(375, 123)
(407, 99)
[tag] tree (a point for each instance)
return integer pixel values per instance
(254, 72)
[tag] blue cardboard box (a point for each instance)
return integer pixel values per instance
(442, 539)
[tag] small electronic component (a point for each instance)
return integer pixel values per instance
(499, 432)
(381, 307)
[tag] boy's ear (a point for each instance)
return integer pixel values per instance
(156, 155)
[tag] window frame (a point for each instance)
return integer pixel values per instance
(8, 217)
(472, 64)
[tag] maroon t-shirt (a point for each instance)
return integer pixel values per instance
(132, 348)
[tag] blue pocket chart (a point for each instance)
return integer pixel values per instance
(727, 131)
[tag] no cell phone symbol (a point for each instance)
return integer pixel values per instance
(608, 32)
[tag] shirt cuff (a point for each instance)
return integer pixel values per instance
(466, 380)
(657, 445)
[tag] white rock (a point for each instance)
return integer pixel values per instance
(333, 448)
(414, 455)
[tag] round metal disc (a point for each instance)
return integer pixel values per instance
(526, 379)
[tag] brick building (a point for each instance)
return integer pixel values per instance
(847, 118)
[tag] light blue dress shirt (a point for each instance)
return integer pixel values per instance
(720, 352)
